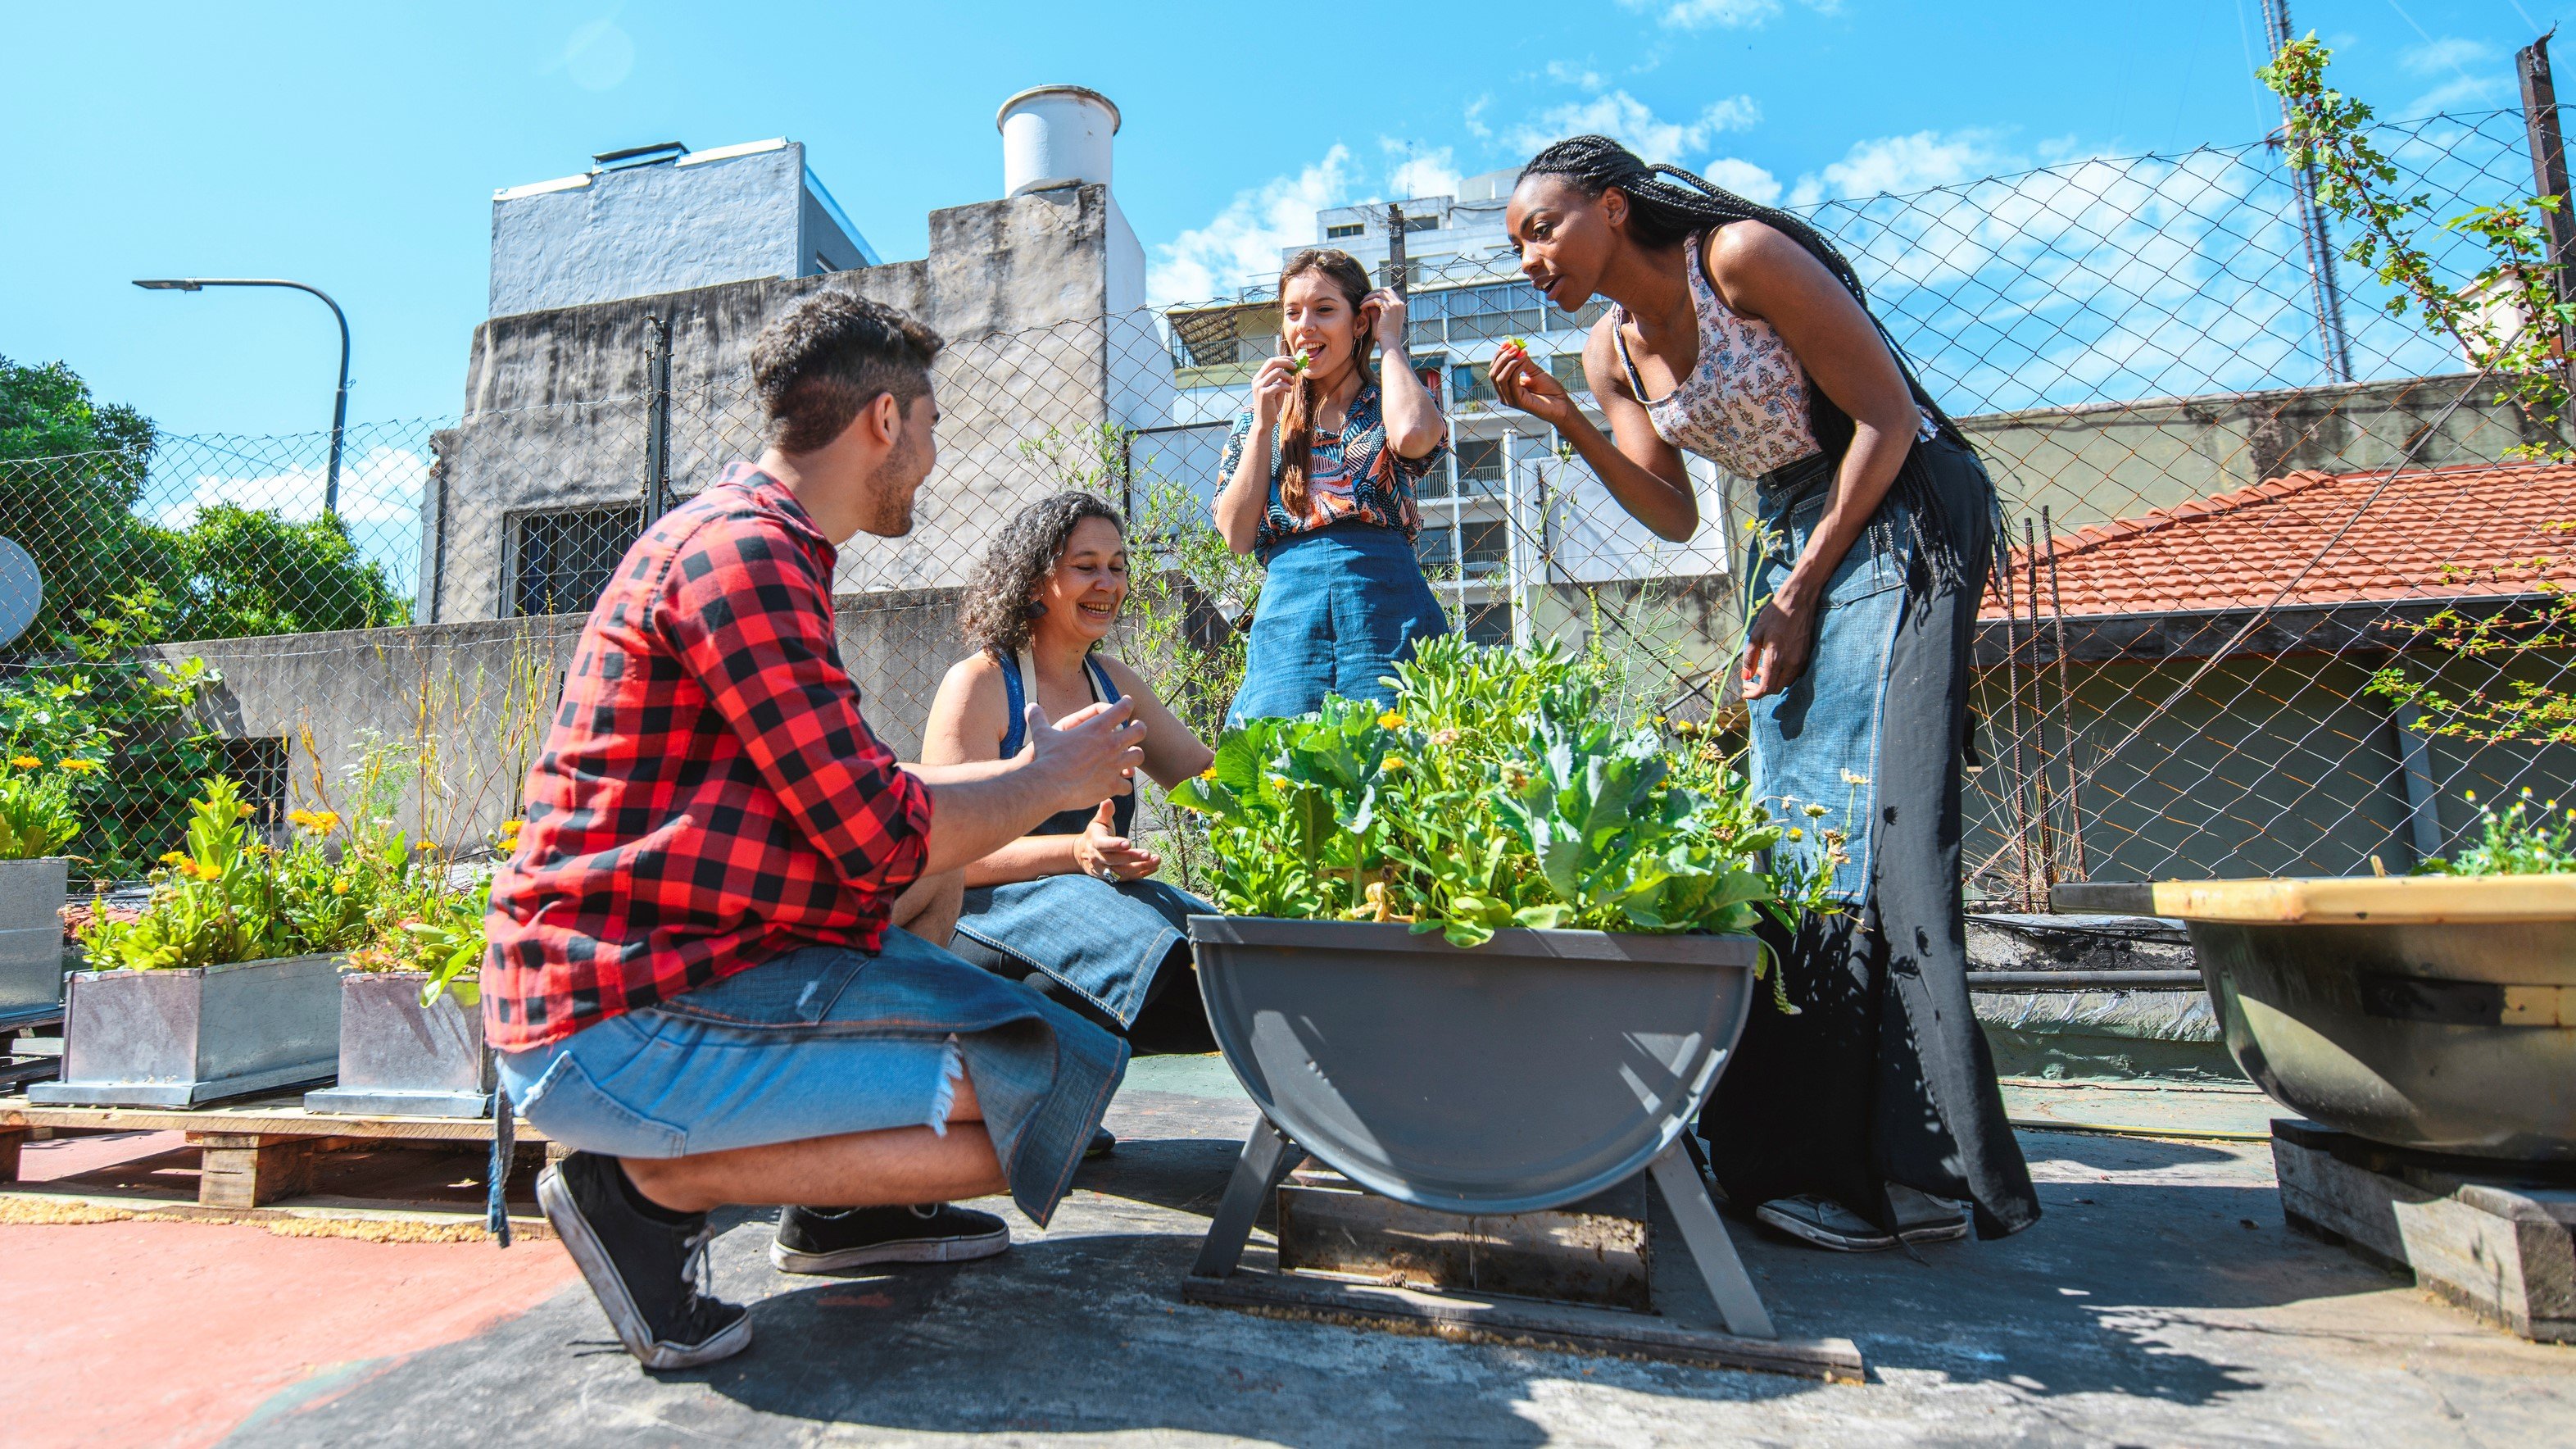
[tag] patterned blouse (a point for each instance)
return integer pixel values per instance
(1744, 405)
(1352, 474)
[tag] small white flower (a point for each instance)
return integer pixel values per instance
(1852, 778)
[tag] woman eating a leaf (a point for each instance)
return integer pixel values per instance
(1319, 480)
(1741, 335)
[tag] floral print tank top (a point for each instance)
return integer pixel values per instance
(1744, 404)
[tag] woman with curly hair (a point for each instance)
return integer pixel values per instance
(1318, 479)
(1740, 334)
(1071, 907)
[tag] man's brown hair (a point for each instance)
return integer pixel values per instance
(834, 354)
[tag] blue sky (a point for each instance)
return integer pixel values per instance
(357, 147)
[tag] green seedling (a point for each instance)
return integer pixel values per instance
(1300, 360)
(1517, 344)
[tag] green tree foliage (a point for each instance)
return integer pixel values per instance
(72, 472)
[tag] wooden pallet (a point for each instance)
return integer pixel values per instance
(252, 1153)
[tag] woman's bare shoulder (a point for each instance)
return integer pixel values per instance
(1127, 680)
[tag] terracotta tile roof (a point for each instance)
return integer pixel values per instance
(2489, 528)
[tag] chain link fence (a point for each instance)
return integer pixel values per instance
(2241, 501)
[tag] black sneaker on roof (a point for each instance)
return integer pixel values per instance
(644, 1273)
(836, 1240)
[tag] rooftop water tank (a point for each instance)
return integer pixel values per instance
(1055, 136)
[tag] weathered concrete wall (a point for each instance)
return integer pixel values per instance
(470, 702)
(2118, 460)
(555, 401)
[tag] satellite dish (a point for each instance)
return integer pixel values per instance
(22, 591)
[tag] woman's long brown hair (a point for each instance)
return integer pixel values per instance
(1296, 441)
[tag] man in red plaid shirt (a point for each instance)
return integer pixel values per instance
(700, 974)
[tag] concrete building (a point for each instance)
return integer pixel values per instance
(665, 219)
(1040, 294)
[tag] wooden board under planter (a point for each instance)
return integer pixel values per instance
(251, 1154)
(2475, 1234)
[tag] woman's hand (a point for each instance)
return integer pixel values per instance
(1271, 387)
(1521, 383)
(1390, 317)
(1776, 647)
(1103, 854)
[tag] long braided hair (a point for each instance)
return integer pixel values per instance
(1667, 205)
(1296, 440)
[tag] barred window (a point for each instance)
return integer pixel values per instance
(258, 766)
(561, 559)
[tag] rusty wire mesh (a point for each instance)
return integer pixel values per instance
(2174, 672)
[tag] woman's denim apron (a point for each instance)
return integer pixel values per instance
(1339, 607)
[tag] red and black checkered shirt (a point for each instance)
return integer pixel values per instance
(708, 796)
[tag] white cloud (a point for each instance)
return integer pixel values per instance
(1582, 77)
(2451, 52)
(378, 486)
(1725, 14)
(1743, 178)
(1900, 164)
(1634, 124)
(1245, 239)
(2478, 75)
(1419, 172)
(1475, 118)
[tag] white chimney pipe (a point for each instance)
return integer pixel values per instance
(1055, 136)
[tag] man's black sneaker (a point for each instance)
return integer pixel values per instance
(835, 1240)
(644, 1273)
(1103, 1142)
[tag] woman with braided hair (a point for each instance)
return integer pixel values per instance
(1740, 334)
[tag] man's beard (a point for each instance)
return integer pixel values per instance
(899, 482)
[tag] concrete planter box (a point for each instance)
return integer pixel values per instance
(1531, 1072)
(399, 1058)
(2423, 1012)
(177, 1038)
(31, 936)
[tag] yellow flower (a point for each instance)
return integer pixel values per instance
(1796, 834)
(340, 887)
(171, 857)
(1390, 721)
(25, 762)
(81, 767)
(1815, 812)
(320, 822)
(1394, 763)
(2469, 795)
(1208, 774)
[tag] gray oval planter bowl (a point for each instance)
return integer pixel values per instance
(179, 1037)
(2425, 1012)
(1530, 1072)
(31, 936)
(402, 1059)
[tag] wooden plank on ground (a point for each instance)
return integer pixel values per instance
(1474, 1318)
(281, 1115)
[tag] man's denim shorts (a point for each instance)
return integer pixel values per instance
(823, 1041)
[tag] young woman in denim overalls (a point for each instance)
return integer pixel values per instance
(1071, 908)
(1741, 335)
(1319, 480)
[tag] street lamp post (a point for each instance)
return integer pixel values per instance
(339, 400)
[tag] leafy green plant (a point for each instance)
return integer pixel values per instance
(1498, 791)
(445, 940)
(2507, 317)
(215, 903)
(2511, 844)
(36, 818)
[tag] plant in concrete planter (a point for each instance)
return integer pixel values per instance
(213, 902)
(36, 826)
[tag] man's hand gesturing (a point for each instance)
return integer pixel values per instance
(1093, 756)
